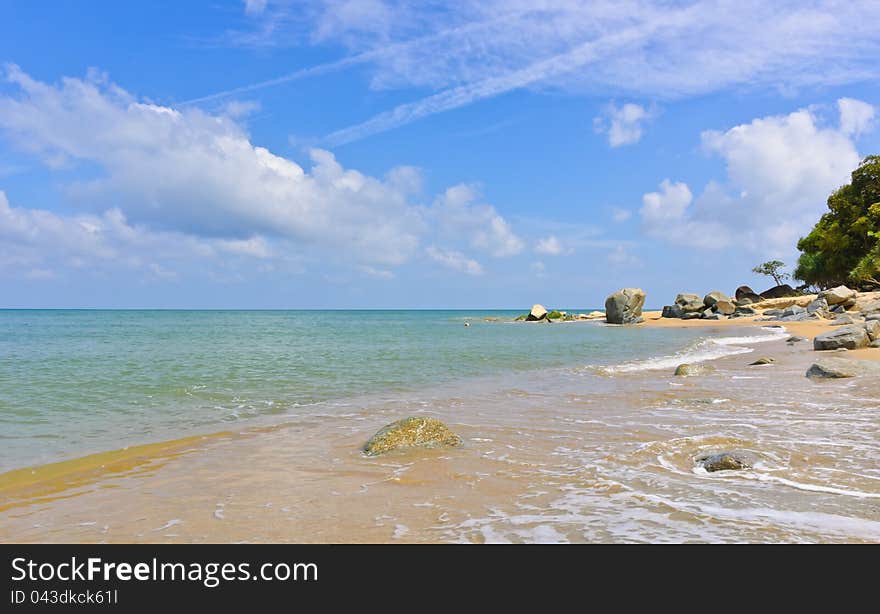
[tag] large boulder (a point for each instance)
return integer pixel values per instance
(713, 297)
(625, 306)
(724, 307)
(779, 291)
(872, 327)
(746, 293)
(842, 367)
(820, 306)
(537, 313)
(849, 337)
(412, 432)
(690, 302)
(672, 311)
(840, 294)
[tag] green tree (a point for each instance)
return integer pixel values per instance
(771, 268)
(844, 246)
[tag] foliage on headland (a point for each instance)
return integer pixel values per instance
(844, 246)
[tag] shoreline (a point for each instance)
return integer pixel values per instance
(226, 486)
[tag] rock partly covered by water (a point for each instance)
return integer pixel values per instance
(850, 337)
(412, 432)
(723, 461)
(625, 306)
(764, 360)
(686, 369)
(842, 367)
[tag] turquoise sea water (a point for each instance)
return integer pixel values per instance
(77, 382)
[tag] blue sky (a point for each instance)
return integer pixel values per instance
(383, 154)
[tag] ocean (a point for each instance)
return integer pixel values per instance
(572, 431)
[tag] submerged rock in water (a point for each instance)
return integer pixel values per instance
(764, 360)
(412, 432)
(796, 339)
(834, 368)
(723, 461)
(686, 369)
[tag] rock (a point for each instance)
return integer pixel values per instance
(849, 303)
(723, 461)
(689, 302)
(794, 310)
(783, 290)
(714, 316)
(713, 297)
(672, 311)
(796, 339)
(412, 432)
(843, 319)
(707, 313)
(625, 306)
(848, 337)
(773, 312)
(744, 292)
(842, 367)
(724, 307)
(820, 306)
(686, 369)
(872, 327)
(520, 318)
(764, 360)
(875, 344)
(840, 294)
(745, 311)
(872, 317)
(743, 302)
(537, 313)
(872, 307)
(693, 315)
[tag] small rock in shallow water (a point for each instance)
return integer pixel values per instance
(764, 360)
(796, 339)
(686, 369)
(724, 461)
(412, 432)
(836, 368)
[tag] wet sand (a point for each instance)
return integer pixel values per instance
(569, 455)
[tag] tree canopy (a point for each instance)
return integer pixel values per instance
(844, 246)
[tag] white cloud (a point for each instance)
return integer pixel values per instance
(196, 173)
(623, 124)
(455, 261)
(549, 245)
(856, 117)
(619, 215)
(780, 172)
(254, 7)
(458, 214)
(467, 51)
(668, 204)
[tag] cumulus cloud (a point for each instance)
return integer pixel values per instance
(455, 261)
(199, 175)
(856, 116)
(549, 245)
(780, 171)
(458, 213)
(623, 124)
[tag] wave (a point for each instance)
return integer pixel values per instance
(702, 350)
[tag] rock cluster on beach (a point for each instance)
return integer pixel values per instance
(714, 306)
(412, 432)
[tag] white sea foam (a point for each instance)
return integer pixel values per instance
(701, 351)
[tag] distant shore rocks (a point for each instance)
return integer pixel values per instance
(412, 432)
(744, 293)
(723, 461)
(850, 337)
(833, 368)
(625, 306)
(780, 291)
(537, 313)
(713, 306)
